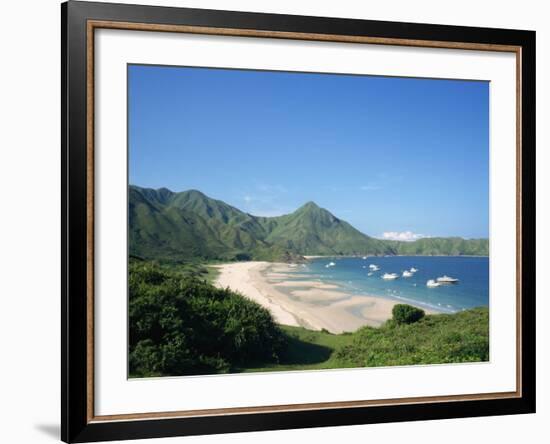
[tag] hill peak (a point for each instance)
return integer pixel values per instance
(164, 190)
(159, 195)
(310, 206)
(196, 193)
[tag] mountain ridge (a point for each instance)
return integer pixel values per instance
(188, 225)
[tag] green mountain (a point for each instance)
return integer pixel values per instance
(448, 246)
(312, 230)
(180, 226)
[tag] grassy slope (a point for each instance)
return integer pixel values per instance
(436, 339)
(205, 271)
(307, 350)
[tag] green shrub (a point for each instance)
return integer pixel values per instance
(180, 325)
(434, 339)
(406, 314)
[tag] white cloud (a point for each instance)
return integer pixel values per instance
(406, 236)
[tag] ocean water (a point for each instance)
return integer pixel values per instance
(351, 274)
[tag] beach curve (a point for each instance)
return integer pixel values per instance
(311, 304)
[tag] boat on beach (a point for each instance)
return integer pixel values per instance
(390, 276)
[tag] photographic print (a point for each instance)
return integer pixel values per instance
(293, 221)
(276, 222)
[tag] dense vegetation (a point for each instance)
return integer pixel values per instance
(181, 325)
(434, 339)
(437, 246)
(406, 314)
(167, 225)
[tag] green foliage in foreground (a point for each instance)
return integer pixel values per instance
(305, 350)
(435, 339)
(183, 269)
(181, 326)
(406, 314)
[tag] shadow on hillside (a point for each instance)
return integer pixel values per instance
(301, 352)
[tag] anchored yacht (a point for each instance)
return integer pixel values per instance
(447, 280)
(390, 276)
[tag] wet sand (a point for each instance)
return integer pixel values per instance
(308, 303)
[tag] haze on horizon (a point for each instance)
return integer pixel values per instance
(397, 156)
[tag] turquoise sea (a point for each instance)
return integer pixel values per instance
(352, 274)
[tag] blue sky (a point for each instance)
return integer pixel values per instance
(389, 155)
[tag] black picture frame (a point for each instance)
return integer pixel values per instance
(76, 424)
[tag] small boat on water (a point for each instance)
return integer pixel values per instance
(364, 257)
(407, 274)
(413, 270)
(369, 274)
(390, 276)
(432, 283)
(374, 267)
(447, 280)
(330, 264)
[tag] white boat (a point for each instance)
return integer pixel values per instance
(374, 267)
(364, 257)
(447, 280)
(369, 274)
(413, 270)
(407, 274)
(432, 283)
(330, 264)
(390, 276)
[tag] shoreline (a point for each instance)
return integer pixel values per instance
(314, 305)
(394, 255)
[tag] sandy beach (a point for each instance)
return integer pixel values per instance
(311, 304)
